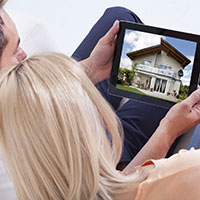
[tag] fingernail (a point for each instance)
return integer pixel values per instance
(115, 22)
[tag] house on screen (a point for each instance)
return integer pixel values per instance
(158, 68)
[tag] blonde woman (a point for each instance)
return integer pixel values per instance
(54, 142)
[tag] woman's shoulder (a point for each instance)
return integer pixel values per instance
(173, 178)
(180, 161)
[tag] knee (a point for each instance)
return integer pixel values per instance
(122, 13)
(117, 9)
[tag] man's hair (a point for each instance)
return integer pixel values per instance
(52, 132)
(3, 39)
(2, 2)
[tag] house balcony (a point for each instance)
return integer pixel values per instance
(153, 70)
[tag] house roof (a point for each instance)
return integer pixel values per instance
(164, 45)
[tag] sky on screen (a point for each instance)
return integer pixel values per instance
(135, 40)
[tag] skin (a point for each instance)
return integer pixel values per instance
(12, 53)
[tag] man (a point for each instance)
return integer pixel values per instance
(10, 51)
(135, 117)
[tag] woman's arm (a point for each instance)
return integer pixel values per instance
(179, 119)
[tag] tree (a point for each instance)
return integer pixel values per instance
(125, 76)
(134, 66)
(183, 93)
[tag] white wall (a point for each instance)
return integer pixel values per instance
(167, 60)
(70, 20)
(147, 57)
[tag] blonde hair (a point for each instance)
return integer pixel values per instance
(53, 135)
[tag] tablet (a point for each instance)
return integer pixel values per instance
(154, 65)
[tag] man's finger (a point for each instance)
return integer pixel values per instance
(110, 35)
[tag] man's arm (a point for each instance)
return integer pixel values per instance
(179, 119)
(98, 65)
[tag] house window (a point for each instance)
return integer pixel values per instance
(160, 85)
(157, 85)
(169, 68)
(163, 86)
(165, 67)
(147, 62)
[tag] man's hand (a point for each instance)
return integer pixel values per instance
(99, 63)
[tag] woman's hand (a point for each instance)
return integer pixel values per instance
(179, 119)
(183, 115)
(99, 63)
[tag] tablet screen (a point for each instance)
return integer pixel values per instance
(155, 65)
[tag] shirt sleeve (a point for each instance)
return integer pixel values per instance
(175, 178)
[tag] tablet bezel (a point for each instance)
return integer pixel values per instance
(158, 31)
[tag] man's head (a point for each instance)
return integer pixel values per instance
(2, 2)
(10, 52)
(3, 39)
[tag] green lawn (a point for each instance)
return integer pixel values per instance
(127, 88)
(122, 87)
